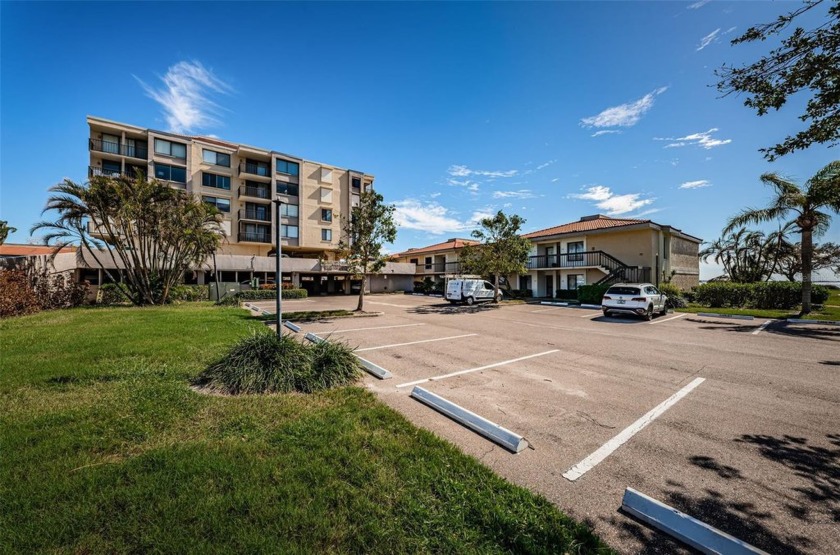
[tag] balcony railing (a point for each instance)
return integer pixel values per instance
(439, 268)
(96, 171)
(255, 169)
(287, 189)
(255, 236)
(574, 260)
(257, 215)
(110, 147)
(256, 192)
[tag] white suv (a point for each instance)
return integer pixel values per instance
(641, 299)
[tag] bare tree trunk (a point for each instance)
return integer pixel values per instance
(361, 306)
(496, 287)
(807, 267)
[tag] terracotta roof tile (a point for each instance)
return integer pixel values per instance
(588, 224)
(29, 250)
(445, 246)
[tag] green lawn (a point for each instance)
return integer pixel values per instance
(829, 311)
(104, 448)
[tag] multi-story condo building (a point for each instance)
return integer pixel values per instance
(435, 261)
(242, 181)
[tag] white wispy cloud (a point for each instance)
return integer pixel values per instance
(555, 180)
(700, 183)
(643, 213)
(185, 96)
(613, 204)
(432, 217)
(708, 39)
(545, 165)
(521, 193)
(704, 140)
(463, 171)
(698, 5)
(623, 115)
(606, 132)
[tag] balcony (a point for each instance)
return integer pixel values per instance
(290, 189)
(130, 171)
(255, 192)
(255, 215)
(254, 236)
(590, 259)
(439, 268)
(258, 170)
(140, 152)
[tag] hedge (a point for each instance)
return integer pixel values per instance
(264, 294)
(566, 294)
(110, 294)
(591, 294)
(766, 295)
(520, 293)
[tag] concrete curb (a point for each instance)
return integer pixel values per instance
(800, 321)
(492, 431)
(689, 530)
(375, 370)
(733, 316)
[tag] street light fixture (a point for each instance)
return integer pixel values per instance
(278, 274)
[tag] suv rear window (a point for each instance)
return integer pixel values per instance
(623, 291)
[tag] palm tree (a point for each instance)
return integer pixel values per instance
(746, 255)
(810, 205)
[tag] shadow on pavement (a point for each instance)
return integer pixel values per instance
(447, 308)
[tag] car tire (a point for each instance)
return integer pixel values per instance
(470, 301)
(664, 310)
(649, 313)
(497, 299)
(606, 312)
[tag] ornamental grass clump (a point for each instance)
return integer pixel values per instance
(266, 363)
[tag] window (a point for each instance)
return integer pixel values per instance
(575, 280)
(254, 189)
(216, 158)
(171, 173)
(287, 189)
(428, 262)
(575, 250)
(326, 194)
(326, 214)
(326, 175)
(223, 204)
(289, 231)
(217, 181)
(168, 148)
(111, 144)
(289, 210)
(289, 168)
(413, 260)
(357, 182)
(257, 212)
(326, 235)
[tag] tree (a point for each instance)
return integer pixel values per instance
(502, 250)
(810, 206)
(371, 224)
(5, 230)
(152, 232)
(826, 256)
(746, 256)
(806, 60)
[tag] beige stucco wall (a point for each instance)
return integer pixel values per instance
(633, 247)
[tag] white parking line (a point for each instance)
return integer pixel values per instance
(373, 328)
(551, 308)
(397, 305)
(599, 313)
(414, 342)
(680, 315)
(605, 450)
(761, 327)
(461, 372)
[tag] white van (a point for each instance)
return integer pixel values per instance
(470, 291)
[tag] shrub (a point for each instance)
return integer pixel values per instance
(28, 289)
(763, 295)
(268, 294)
(592, 294)
(520, 293)
(190, 293)
(109, 294)
(566, 294)
(674, 294)
(266, 363)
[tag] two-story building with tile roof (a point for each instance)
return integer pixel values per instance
(435, 261)
(600, 249)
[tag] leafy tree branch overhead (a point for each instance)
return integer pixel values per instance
(807, 61)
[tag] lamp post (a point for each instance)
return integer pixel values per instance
(278, 275)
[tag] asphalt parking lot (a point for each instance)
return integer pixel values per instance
(750, 442)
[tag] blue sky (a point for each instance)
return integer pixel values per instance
(552, 111)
